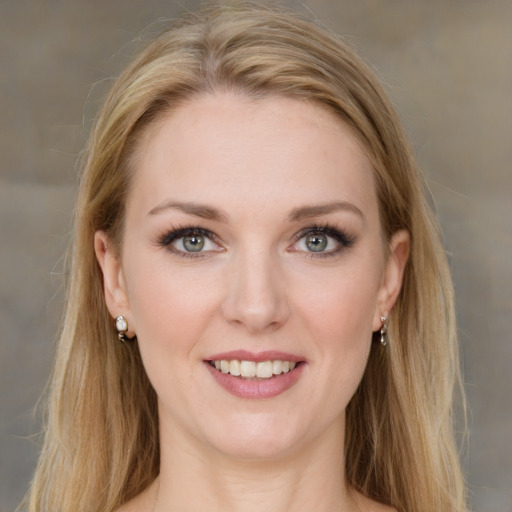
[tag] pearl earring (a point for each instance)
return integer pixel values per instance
(122, 327)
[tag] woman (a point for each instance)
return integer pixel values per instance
(260, 314)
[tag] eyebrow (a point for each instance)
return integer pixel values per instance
(307, 212)
(197, 210)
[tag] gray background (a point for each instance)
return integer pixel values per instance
(448, 66)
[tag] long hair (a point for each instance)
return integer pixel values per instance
(101, 445)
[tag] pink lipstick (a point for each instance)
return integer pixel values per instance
(255, 375)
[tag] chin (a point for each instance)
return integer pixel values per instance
(258, 437)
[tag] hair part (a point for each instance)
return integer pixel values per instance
(101, 445)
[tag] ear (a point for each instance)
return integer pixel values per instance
(114, 287)
(399, 247)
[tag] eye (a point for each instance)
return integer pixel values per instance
(322, 240)
(190, 243)
(187, 241)
(317, 242)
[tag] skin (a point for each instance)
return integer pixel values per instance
(257, 286)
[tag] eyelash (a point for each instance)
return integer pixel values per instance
(344, 240)
(179, 232)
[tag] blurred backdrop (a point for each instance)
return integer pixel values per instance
(448, 67)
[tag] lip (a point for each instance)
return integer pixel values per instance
(256, 389)
(245, 355)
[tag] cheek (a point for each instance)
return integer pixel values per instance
(339, 316)
(171, 312)
(343, 303)
(168, 305)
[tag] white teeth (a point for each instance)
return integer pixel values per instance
(251, 369)
(264, 370)
(234, 367)
(247, 368)
(277, 367)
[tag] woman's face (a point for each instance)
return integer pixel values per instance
(252, 237)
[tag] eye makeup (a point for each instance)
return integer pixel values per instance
(316, 241)
(193, 239)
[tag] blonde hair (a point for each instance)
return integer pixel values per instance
(101, 446)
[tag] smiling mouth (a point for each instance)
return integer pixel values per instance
(252, 370)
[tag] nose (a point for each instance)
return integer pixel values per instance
(256, 294)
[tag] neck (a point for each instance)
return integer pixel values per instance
(310, 477)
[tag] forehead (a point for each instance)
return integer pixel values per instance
(231, 149)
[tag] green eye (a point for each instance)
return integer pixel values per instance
(316, 242)
(193, 243)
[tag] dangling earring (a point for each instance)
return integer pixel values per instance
(122, 327)
(384, 330)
